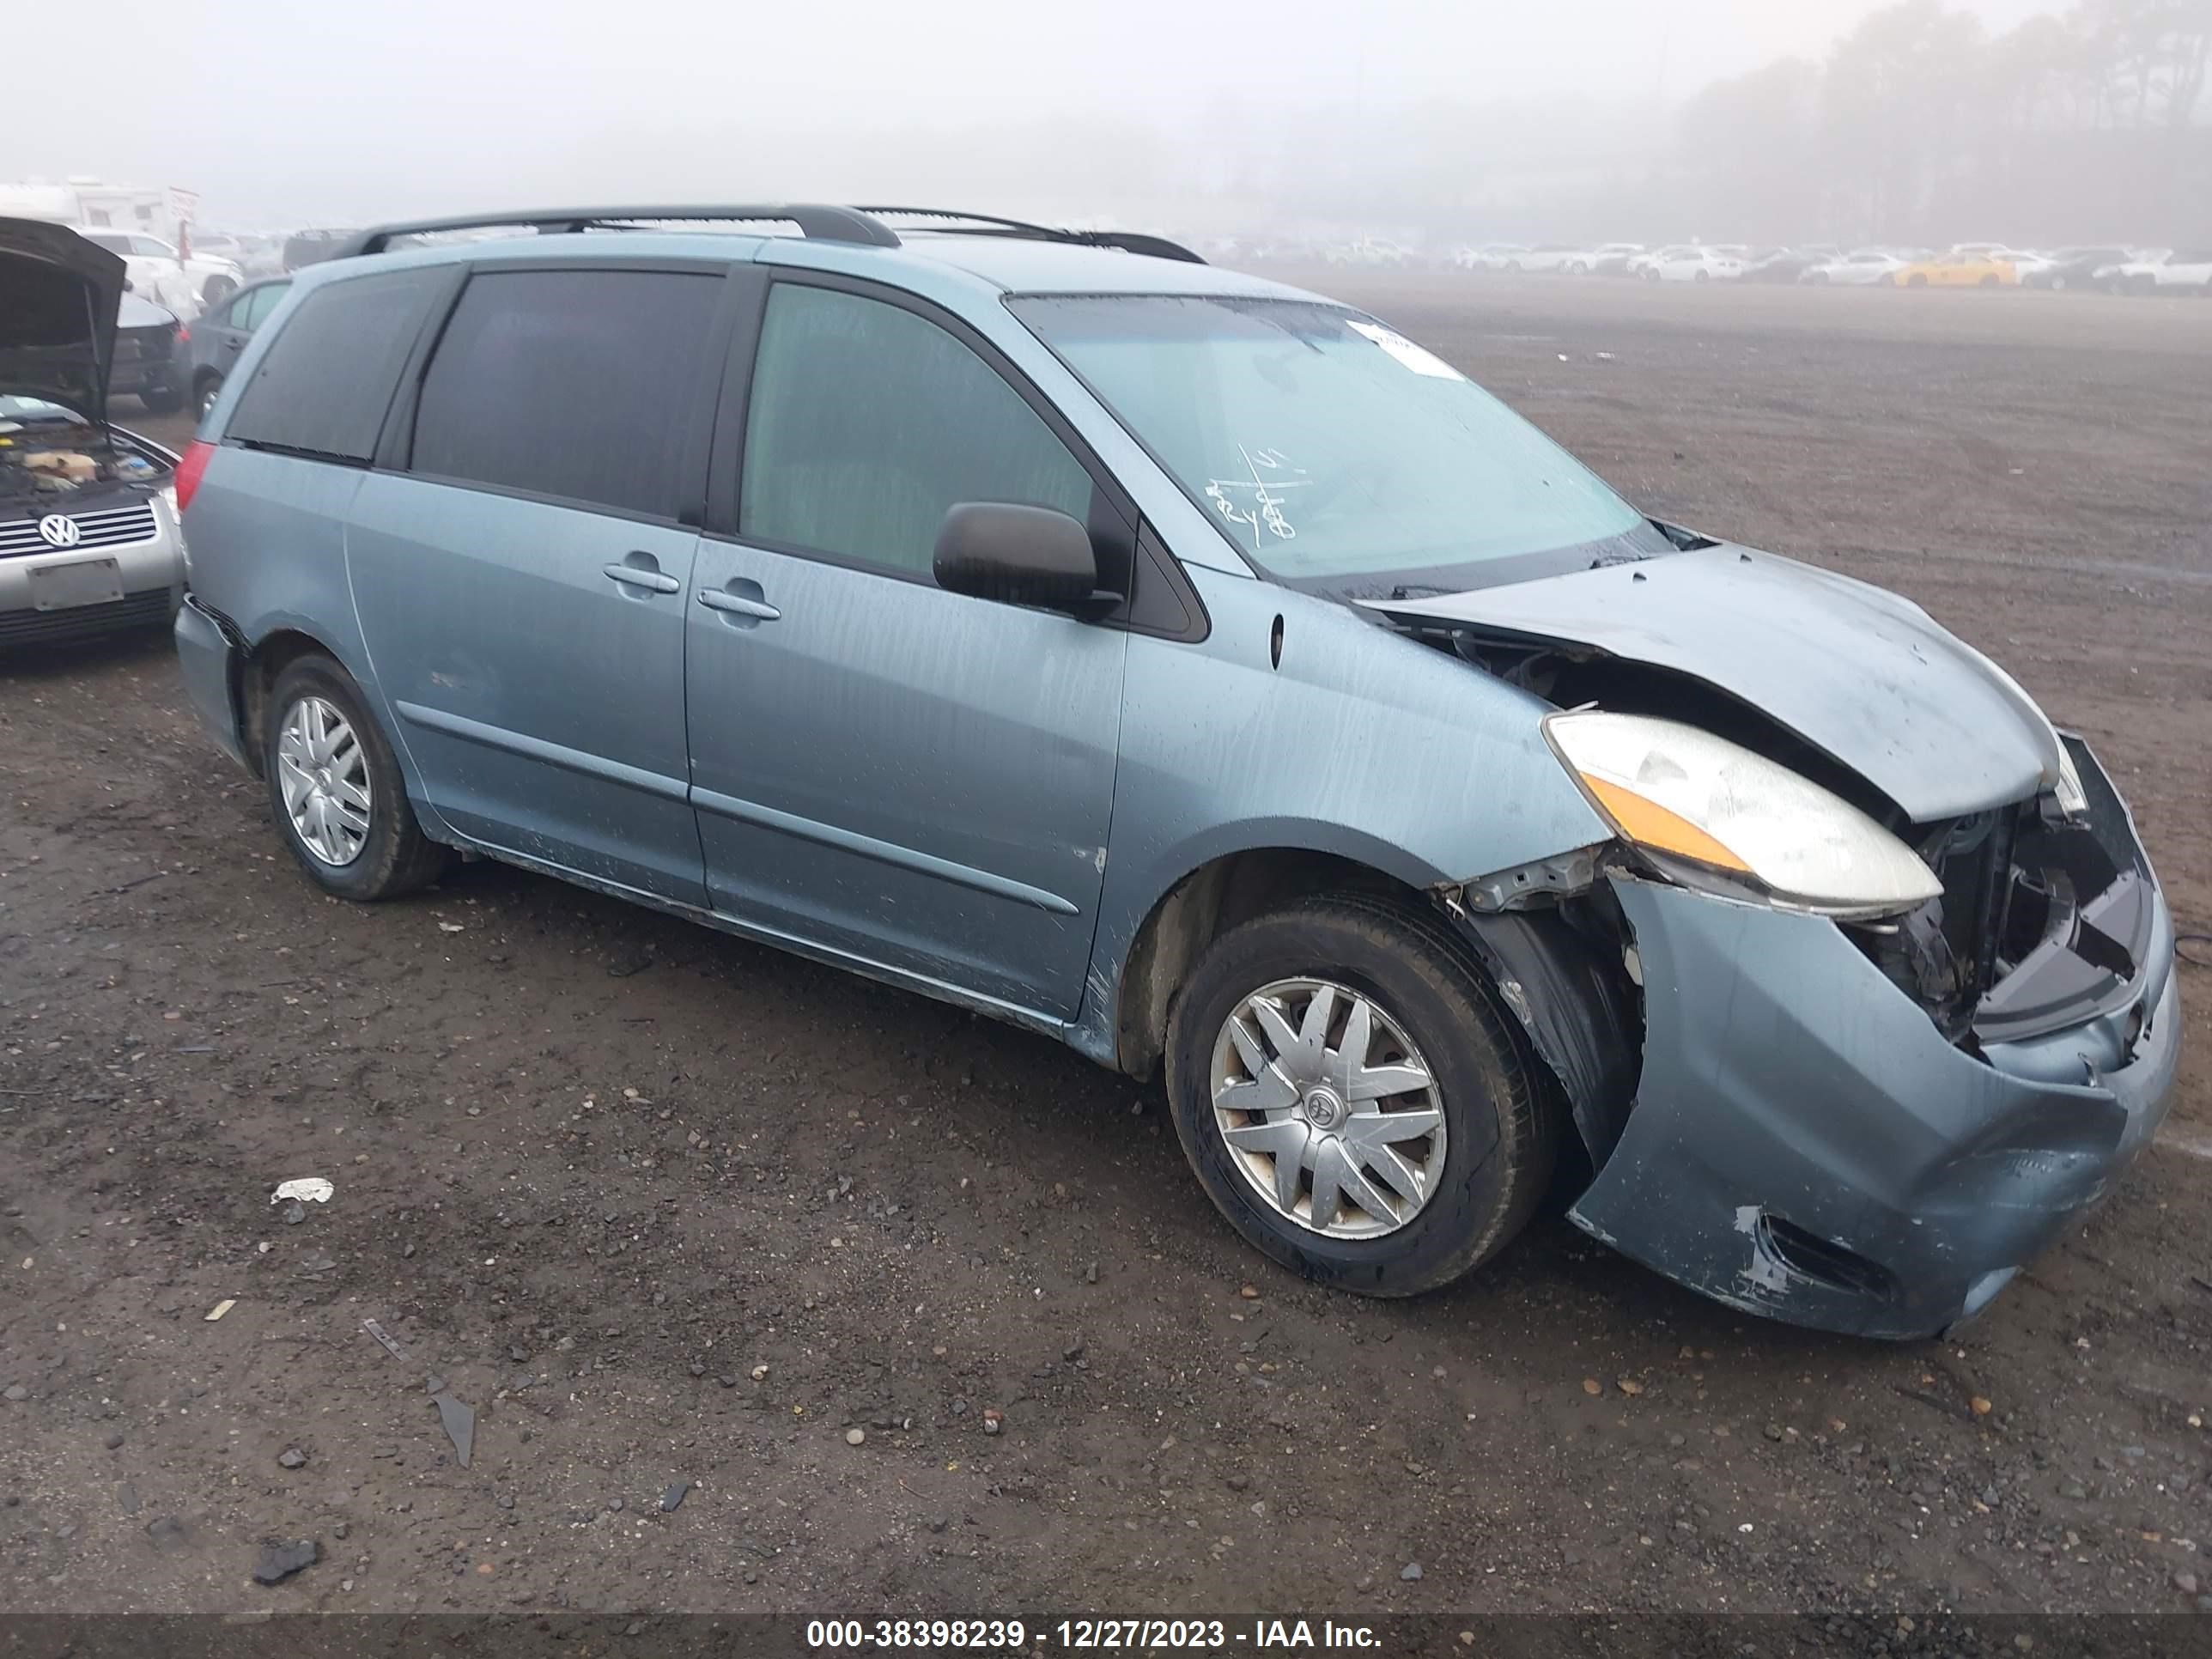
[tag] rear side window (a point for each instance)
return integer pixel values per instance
(251, 312)
(868, 423)
(328, 378)
(580, 384)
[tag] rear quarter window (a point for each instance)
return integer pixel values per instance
(327, 381)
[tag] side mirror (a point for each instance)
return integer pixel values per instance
(1019, 555)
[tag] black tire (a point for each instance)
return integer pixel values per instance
(162, 400)
(1988, 282)
(395, 858)
(1700, 276)
(216, 291)
(205, 391)
(1915, 281)
(1501, 1134)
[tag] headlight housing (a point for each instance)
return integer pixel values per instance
(1681, 794)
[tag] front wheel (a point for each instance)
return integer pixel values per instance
(336, 790)
(162, 400)
(1352, 1099)
(218, 289)
(210, 388)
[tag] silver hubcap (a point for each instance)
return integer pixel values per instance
(1328, 1111)
(324, 777)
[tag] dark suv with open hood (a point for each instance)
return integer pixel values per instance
(89, 540)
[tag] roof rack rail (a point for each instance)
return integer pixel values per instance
(989, 224)
(819, 221)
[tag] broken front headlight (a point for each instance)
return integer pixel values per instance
(1757, 827)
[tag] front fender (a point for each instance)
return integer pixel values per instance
(1359, 742)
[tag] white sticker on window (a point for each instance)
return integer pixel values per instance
(1419, 359)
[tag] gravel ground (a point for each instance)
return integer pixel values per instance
(773, 1290)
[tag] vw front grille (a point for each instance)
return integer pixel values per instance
(115, 526)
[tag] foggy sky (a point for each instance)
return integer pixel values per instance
(281, 112)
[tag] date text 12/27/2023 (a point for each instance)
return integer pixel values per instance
(1012, 1635)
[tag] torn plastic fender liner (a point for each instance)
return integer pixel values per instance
(1571, 996)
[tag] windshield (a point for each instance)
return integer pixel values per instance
(1326, 446)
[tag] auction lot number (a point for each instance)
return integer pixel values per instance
(916, 1633)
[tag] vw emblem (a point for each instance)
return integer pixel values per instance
(58, 530)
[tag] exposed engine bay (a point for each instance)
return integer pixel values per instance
(48, 453)
(2044, 920)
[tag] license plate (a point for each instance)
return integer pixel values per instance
(66, 587)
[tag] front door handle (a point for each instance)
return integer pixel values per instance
(738, 604)
(644, 576)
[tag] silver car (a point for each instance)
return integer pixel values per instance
(89, 538)
(1202, 673)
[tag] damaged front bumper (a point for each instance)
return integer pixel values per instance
(1806, 1144)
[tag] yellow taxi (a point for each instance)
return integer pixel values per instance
(1959, 269)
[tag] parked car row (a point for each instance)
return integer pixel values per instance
(2111, 268)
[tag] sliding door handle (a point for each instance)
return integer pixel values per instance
(738, 604)
(644, 576)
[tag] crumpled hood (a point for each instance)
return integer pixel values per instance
(1853, 669)
(58, 297)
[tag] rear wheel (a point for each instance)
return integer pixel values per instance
(208, 388)
(335, 789)
(1700, 276)
(218, 289)
(1352, 1100)
(1988, 281)
(162, 400)
(1915, 281)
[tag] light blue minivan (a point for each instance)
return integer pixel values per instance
(1203, 672)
